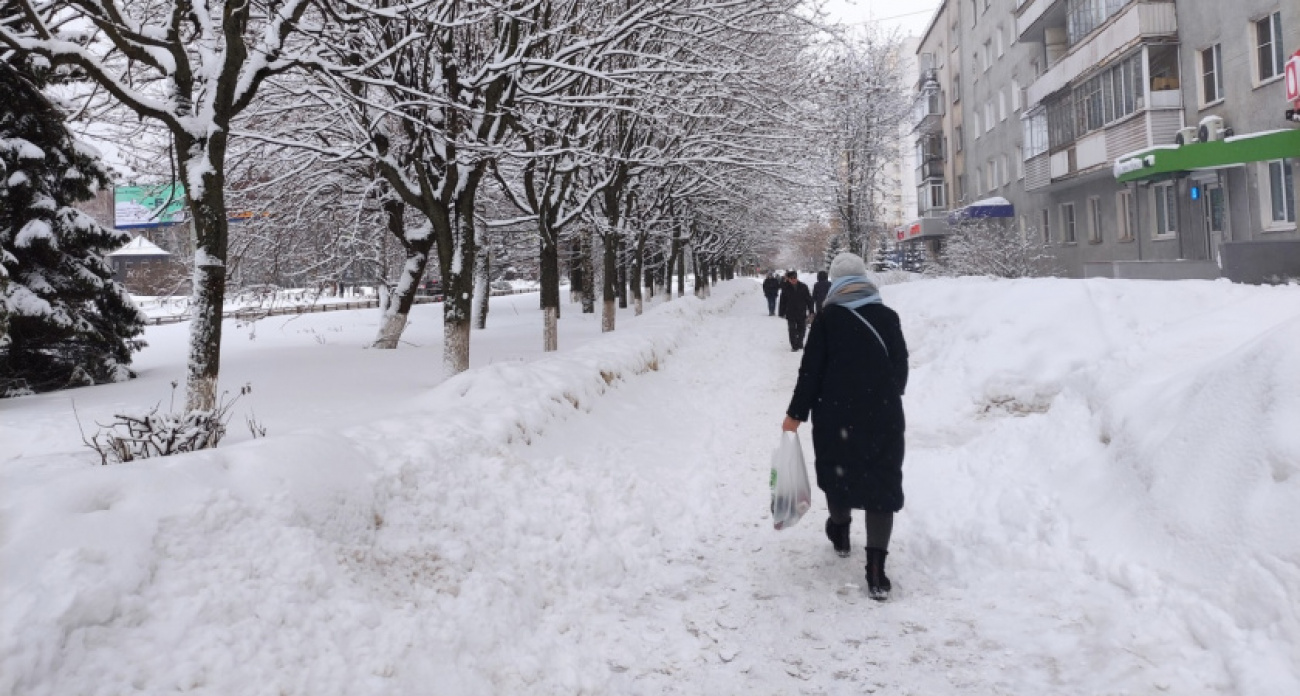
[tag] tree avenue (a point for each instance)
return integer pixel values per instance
(635, 142)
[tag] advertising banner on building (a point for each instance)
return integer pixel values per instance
(148, 206)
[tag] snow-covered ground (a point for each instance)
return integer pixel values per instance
(1103, 486)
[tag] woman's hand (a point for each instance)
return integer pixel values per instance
(790, 425)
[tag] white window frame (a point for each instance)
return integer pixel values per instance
(1069, 224)
(1164, 199)
(1217, 63)
(1268, 185)
(1046, 217)
(1094, 220)
(1275, 58)
(1124, 215)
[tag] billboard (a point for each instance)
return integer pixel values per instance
(148, 206)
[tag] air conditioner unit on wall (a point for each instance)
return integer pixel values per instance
(1211, 129)
(1185, 136)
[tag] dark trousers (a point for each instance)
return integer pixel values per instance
(798, 327)
(880, 525)
(771, 305)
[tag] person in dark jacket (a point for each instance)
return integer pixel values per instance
(851, 382)
(771, 288)
(819, 291)
(796, 306)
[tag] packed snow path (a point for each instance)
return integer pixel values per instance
(1102, 499)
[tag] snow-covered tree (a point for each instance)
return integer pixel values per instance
(64, 321)
(994, 247)
(859, 104)
(192, 66)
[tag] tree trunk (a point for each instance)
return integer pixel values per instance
(681, 272)
(621, 260)
(588, 270)
(402, 297)
(550, 268)
(210, 229)
(609, 294)
(482, 271)
(458, 284)
(398, 306)
(638, 264)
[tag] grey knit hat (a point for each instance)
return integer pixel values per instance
(847, 264)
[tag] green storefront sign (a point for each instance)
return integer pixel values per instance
(1165, 161)
(148, 206)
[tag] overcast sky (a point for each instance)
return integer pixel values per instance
(909, 17)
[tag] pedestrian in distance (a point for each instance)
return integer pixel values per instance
(819, 291)
(851, 381)
(771, 288)
(796, 305)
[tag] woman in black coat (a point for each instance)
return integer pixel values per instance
(851, 381)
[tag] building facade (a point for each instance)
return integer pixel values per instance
(1061, 104)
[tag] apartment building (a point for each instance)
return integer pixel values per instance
(1137, 138)
(970, 99)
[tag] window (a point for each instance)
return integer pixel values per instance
(978, 131)
(934, 194)
(1281, 192)
(986, 55)
(1211, 75)
(956, 88)
(979, 180)
(1124, 216)
(1068, 230)
(957, 139)
(1005, 176)
(1002, 105)
(1165, 202)
(961, 187)
(1020, 164)
(1015, 94)
(997, 38)
(1047, 226)
(1035, 134)
(1268, 46)
(1094, 220)
(989, 121)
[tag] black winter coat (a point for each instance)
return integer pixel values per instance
(795, 303)
(820, 288)
(854, 392)
(771, 286)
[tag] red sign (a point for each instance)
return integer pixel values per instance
(916, 229)
(1293, 78)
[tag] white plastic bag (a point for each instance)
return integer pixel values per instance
(791, 494)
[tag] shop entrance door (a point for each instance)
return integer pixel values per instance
(1214, 206)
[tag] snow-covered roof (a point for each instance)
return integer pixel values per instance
(987, 202)
(140, 247)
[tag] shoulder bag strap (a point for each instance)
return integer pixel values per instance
(873, 329)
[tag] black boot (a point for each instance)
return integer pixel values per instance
(877, 582)
(839, 536)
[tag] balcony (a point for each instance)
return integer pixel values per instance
(930, 170)
(928, 112)
(1135, 23)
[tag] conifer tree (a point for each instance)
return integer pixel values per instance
(64, 321)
